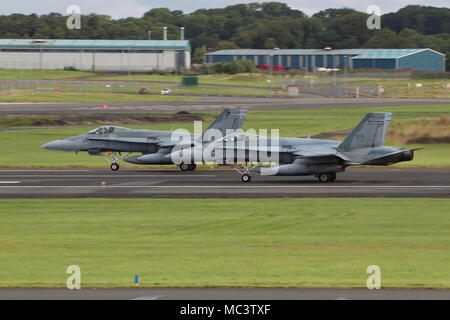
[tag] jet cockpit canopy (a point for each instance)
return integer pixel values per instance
(107, 129)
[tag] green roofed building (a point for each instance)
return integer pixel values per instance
(417, 59)
(105, 55)
(317, 59)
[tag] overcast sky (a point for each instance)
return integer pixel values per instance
(136, 8)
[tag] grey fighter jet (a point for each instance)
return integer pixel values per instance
(321, 158)
(153, 145)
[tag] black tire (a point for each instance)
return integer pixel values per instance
(115, 166)
(331, 176)
(327, 177)
(246, 177)
(323, 177)
(184, 167)
(192, 167)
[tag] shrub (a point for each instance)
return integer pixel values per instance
(430, 75)
(241, 66)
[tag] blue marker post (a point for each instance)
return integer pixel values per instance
(136, 280)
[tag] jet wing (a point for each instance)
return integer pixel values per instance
(328, 152)
(316, 154)
(311, 155)
(172, 145)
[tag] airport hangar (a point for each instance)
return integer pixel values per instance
(311, 59)
(101, 55)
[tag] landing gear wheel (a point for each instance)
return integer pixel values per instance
(192, 167)
(332, 176)
(323, 177)
(184, 167)
(115, 166)
(327, 177)
(246, 177)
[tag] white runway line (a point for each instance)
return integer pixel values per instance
(110, 176)
(45, 170)
(148, 298)
(233, 187)
(9, 182)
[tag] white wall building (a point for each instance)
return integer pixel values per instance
(96, 55)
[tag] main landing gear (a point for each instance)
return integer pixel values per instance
(187, 167)
(115, 160)
(326, 177)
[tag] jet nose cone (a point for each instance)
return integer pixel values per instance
(53, 145)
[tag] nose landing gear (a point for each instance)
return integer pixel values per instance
(245, 172)
(115, 160)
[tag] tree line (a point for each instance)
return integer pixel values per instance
(254, 25)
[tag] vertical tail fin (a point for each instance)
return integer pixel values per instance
(369, 133)
(229, 119)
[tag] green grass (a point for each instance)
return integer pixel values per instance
(406, 88)
(432, 88)
(118, 92)
(86, 97)
(255, 84)
(228, 91)
(36, 74)
(214, 242)
(177, 89)
(23, 146)
(300, 123)
(240, 80)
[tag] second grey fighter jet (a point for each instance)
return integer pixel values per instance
(153, 145)
(321, 158)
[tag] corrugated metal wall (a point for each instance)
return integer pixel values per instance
(135, 60)
(420, 60)
(374, 63)
(424, 60)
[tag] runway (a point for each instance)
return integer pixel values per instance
(210, 104)
(221, 294)
(220, 183)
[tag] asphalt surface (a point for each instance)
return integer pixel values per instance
(209, 104)
(385, 182)
(9, 82)
(221, 294)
